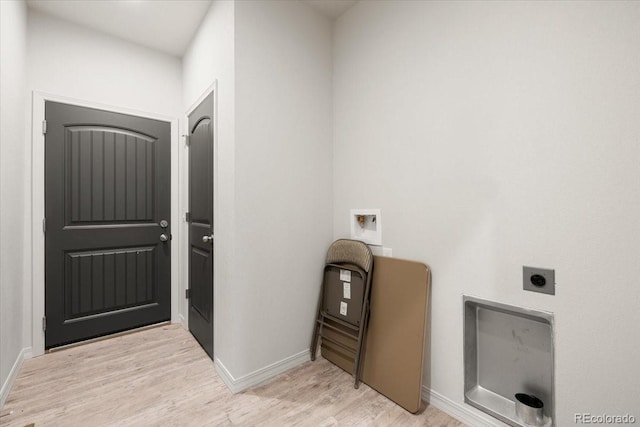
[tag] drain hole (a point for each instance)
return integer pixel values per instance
(530, 401)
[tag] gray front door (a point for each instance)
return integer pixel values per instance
(107, 246)
(201, 224)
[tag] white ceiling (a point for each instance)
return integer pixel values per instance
(167, 25)
(331, 8)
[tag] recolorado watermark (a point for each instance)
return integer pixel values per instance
(586, 418)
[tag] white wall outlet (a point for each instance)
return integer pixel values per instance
(366, 225)
(376, 250)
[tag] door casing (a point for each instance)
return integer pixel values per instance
(184, 226)
(34, 296)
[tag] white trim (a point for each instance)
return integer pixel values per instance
(213, 87)
(184, 202)
(225, 375)
(28, 353)
(37, 205)
(261, 375)
(462, 412)
(15, 369)
(183, 322)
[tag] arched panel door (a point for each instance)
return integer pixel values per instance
(201, 224)
(107, 193)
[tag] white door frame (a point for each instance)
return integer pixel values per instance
(37, 294)
(184, 184)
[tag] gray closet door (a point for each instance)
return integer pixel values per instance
(107, 247)
(201, 224)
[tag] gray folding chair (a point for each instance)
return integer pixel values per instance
(343, 307)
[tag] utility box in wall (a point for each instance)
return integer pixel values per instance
(366, 226)
(508, 350)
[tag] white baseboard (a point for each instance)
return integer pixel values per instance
(255, 378)
(225, 375)
(464, 413)
(183, 322)
(27, 353)
(15, 369)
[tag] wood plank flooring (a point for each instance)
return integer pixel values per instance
(161, 377)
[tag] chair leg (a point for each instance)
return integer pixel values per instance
(356, 365)
(361, 346)
(364, 319)
(317, 328)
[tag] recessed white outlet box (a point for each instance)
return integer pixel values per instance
(366, 226)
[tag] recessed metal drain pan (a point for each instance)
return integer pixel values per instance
(507, 350)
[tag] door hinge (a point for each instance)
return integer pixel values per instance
(44, 225)
(187, 294)
(44, 127)
(186, 140)
(187, 216)
(44, 323)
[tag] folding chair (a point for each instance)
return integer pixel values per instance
(343, 306)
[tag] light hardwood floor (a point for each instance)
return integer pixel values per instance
(161, 377)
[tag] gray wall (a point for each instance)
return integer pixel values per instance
(14, 192)
(272, 62)
(495, 135)
(283, 176)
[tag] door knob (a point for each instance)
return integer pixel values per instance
(207, 239)
(163, 237)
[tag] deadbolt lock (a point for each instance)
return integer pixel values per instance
(164, 223)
